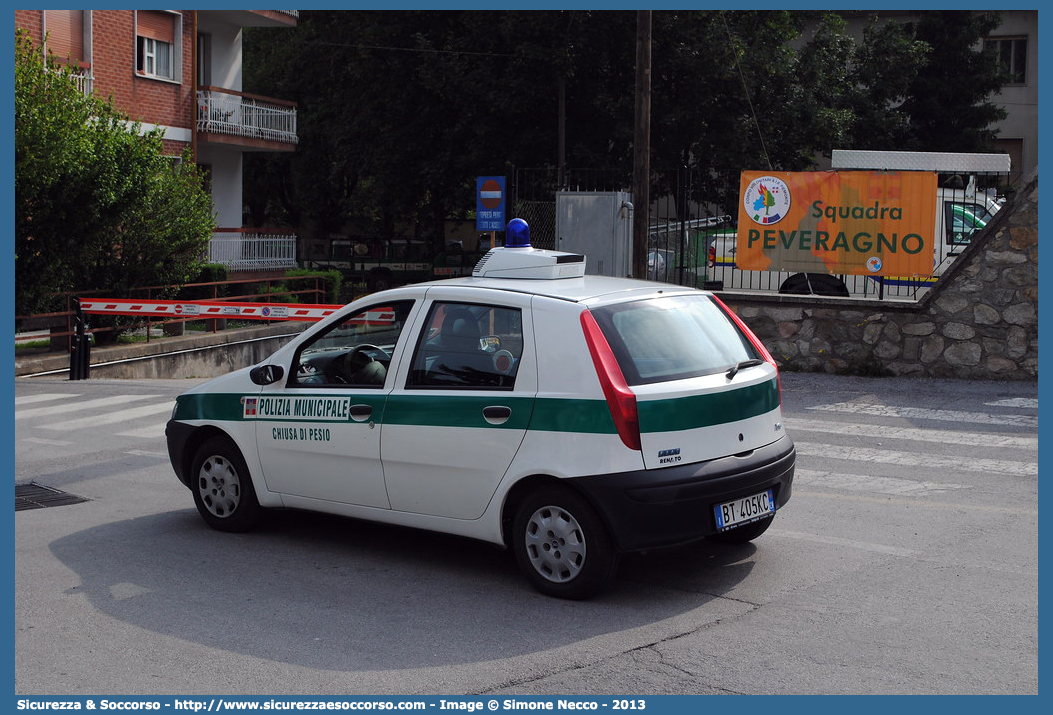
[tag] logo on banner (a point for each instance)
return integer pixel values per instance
(767, 200)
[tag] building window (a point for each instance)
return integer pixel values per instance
(156, 49)
(204, 59)
(67, 36)
(65, 32)
(155, 58)
(1012, 55)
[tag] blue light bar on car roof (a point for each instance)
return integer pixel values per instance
(518, 259)
(518, 234)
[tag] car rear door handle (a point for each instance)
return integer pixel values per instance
(360, 413)
(497, 414)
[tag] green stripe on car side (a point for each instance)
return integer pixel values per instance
(455, 411)
(543, 414)
(554, 415)
(209, 406)
(584, 416)
(231, 407)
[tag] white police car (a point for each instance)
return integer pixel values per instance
(568, 417)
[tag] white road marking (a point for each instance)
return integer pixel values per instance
(926, 463)
(68, 407)
(1029, 403)
(124, 591)
(28, 399)
(144, 453)
(111, 417)
(862, 483)
(155, 431)
(923, 413)
(920, 503)
(834, 541)
(881, 432)
(49, 442)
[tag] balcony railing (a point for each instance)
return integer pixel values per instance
(252, 251)
(241, 115)
(81, 79)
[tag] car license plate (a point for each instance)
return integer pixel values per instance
(740, 511)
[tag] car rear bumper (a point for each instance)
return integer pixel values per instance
(660, 507)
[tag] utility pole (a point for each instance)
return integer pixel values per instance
(642, 144)
(562, 131)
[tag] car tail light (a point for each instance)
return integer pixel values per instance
(620, 399)
(754, 340)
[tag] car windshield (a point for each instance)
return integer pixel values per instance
(672, 338)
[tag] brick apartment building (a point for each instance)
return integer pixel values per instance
(181, 71)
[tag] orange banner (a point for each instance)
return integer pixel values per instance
(870, 223)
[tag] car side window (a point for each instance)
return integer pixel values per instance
(354, 352)
(468, 346)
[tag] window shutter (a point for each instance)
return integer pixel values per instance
(65, 30)
(156, 25)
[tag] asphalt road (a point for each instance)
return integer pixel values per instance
(906, 562)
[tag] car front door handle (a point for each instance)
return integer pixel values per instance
(360, 413)
(497, 414)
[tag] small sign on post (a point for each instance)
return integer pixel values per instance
(490, 203)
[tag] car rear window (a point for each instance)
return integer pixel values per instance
(672, 338)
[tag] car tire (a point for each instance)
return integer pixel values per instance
(744, 533)
(561, 545)
(222, 487)
(814, 284)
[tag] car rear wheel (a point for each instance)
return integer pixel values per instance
(223, 491)
(744, 533)
(561, 545)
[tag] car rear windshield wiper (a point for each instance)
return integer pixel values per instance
(742, 365)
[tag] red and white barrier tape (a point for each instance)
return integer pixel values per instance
(214, 309)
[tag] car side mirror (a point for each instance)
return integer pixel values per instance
(266, 374)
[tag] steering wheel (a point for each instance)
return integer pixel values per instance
(358, 367)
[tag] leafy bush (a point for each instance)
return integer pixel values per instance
(98, 204)
(333, 279)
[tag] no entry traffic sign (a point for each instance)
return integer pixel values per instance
(490, 203)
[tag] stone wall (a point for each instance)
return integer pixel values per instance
(980, 321)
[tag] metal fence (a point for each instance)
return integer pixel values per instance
(534, 195)
(700, 250)
(678, 251)
(252, 252)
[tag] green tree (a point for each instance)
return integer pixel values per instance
(730, 94)
(97, 204)
(924, 85)
(949, 103)
(400, 111)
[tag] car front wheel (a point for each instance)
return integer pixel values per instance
(222, 488)
(561, 545)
